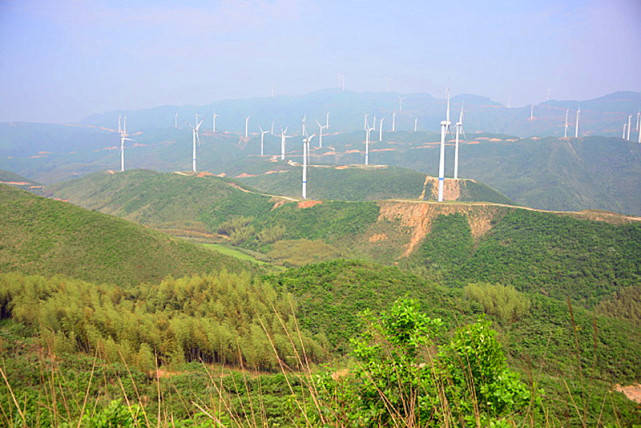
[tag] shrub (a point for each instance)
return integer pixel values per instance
(504, 302)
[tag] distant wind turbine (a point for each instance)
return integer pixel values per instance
(394, 121)
(638, 121)
(415, 124)
(565, 126)
(365, 122)
(629, 126)
(196, 139)
(374, 123)
(341, 82)
(623, 134)
(283, 141)
(380, 129)
(262, 139)
(367, 131)
(459, 130)
(576, 125)
(445, 126)
(247, 126)
(327, 120)
(272, 130)
(306, 141)
(214, 116)
(122, 130)
(320, 133)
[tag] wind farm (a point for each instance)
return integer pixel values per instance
(320, 214)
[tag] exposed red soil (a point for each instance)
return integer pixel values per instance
(205, 174)
(244, 175)
(633, 392)
(377, 237)
(308, 204)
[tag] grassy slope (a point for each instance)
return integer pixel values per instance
(541, 343)
(48, 237)
(361, 184)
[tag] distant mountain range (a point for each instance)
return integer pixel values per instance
(599, 116)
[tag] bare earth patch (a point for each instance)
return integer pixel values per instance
(419, 216)
(377, 237)
(244, 175)
(308, 204)
(451, 188)
(633, 392)
(279, 203)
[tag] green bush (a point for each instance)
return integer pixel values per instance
(504, 302)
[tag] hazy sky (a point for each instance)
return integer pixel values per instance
(62, 60)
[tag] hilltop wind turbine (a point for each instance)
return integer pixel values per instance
(576, 125)
(247, 126)
(122, 130)
(327, 120)
(283, 140)
(380, 129)
(565, 126)
(416, 123)
(445, 126)
(629, 126)
(367, 131)
(374, 123)
(394, 121)
(262, 139)
(306, 141)
(459, 130)
(214, 116)
(196, 139)
(320, 132)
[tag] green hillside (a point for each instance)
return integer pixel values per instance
(47, 237)
(358, 183)
(12, 179)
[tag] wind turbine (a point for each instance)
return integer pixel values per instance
(306, 141)
(531, 111)
(459, 130)
(394, 121)
(214, 116)
(576, 125)
(119, 125)
(374, 123)
(445, 126)
(629, 126)
(283, 140)
(367, 131)
(365, 122)
(623, 134)
(196, 139)
(416, 123)
(341, 81)
(122, 130)
(327, 120)
(272, 130)
(262, 139)
(320, 132)
(380, 129)
(247, 126)
(565, 126)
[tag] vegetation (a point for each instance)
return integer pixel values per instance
(505, 303)
(43, 236)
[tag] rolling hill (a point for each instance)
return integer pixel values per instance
(12, 179)
(358, 183)
(48, 237)
(586, 256)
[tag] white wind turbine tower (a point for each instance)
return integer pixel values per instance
(320, 132)
(576, 125)
(367, 131)
(565, 126)
(262, 139)
(629, 126)
(247, 126)
(374, 123)
(122, 130)
(623, 134)
(416, 123)
(283, 140)
(459, 130)
(306, 141)
(214, 116)
(380, 129)
(196, 139)
(327, 120)
(445, 126)
(394, 121)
